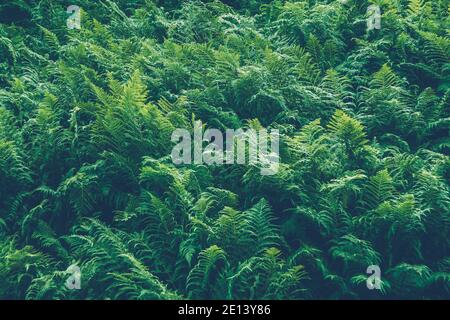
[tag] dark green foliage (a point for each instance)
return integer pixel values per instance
(86, 178)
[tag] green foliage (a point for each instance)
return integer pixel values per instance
(86, 177)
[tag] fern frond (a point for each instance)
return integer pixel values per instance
(202, 277)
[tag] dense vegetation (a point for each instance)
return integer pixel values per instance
(86, 177)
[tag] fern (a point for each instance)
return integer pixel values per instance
(406, 278)
(349, 131)
(415, 7)
(354, 252)
(259, 227)
(379, 189)
(206, 272)
(86, 177)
